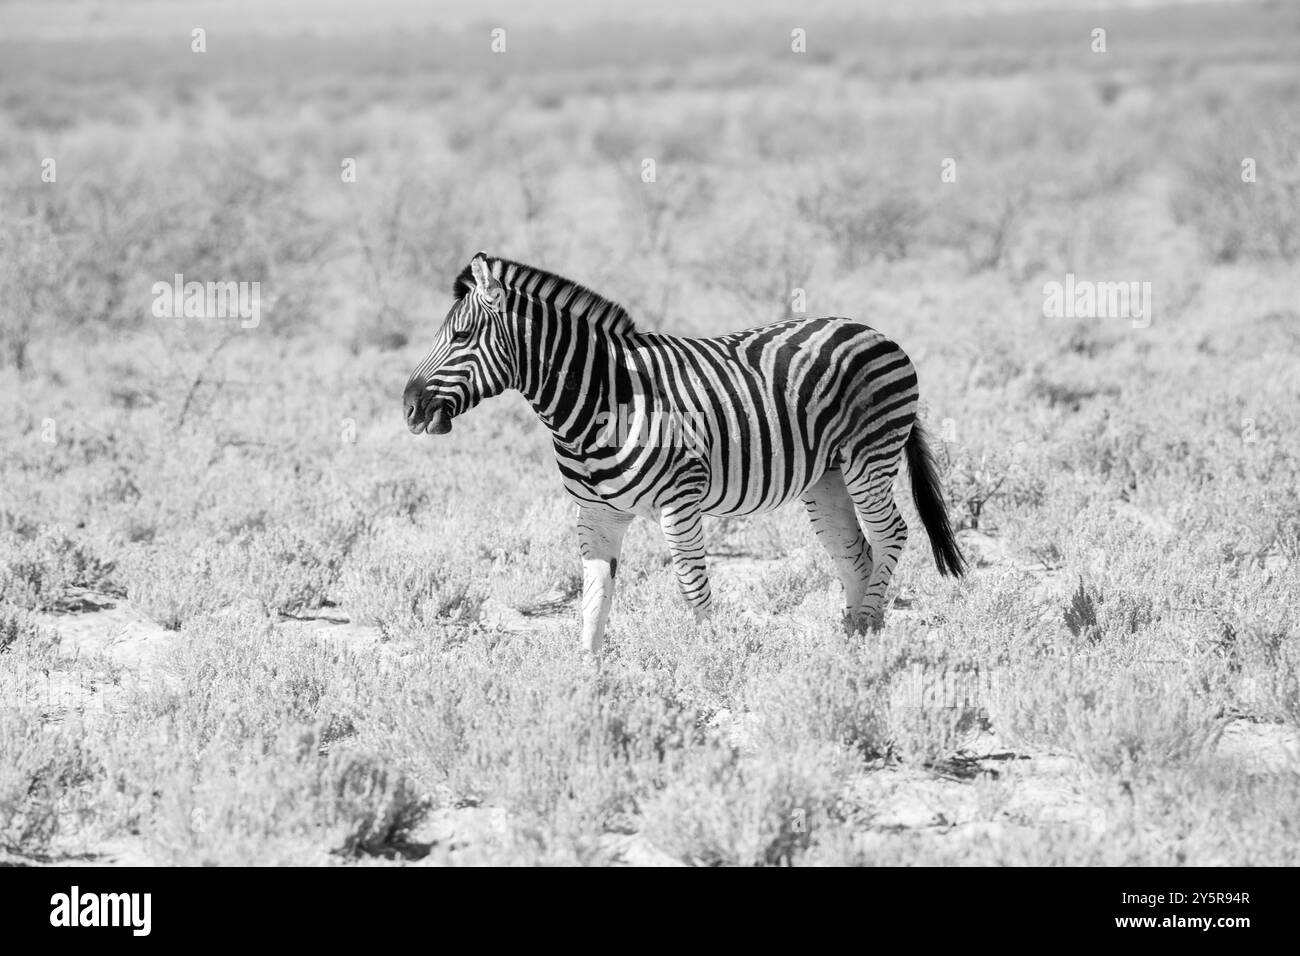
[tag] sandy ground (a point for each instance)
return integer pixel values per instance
(956, 800)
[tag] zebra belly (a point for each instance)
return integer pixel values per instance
(751, 477)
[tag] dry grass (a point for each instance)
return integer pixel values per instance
(1117, 683)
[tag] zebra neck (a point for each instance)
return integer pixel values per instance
(566, 371)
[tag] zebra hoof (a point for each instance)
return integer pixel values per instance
(862, 623)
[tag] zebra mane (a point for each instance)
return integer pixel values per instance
(559, 293)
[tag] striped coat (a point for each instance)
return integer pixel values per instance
(671, 428)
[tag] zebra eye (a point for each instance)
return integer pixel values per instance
(462, 334)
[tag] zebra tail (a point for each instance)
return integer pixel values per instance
(928, 496)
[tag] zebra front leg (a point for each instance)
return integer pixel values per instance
(684, 529)
(600, 535)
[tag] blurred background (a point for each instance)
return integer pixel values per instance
(774, 169)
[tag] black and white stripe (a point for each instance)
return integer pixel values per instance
(820, 410)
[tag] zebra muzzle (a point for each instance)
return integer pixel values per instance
(439, 422)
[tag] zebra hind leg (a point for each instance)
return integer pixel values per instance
(835, 521)
(872, 492)
(600, 535)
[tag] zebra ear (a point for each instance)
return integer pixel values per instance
(482, 277)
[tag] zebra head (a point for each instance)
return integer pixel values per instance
(471, 356)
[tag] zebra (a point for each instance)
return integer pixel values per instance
(818, 409)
